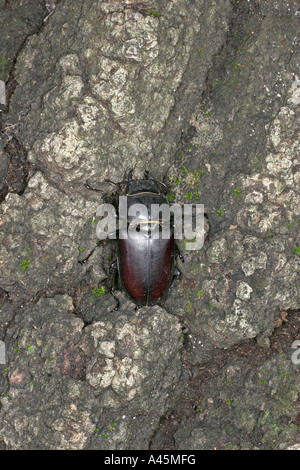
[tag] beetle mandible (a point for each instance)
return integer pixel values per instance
(145, 265)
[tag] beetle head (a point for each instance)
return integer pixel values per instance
(141, 186)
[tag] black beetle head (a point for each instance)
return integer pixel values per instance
(143, 186)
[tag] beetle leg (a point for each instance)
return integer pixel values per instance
(119, 184)
(179, 254)
(110, 181)
(116, 299)
(148, 176)
(165, 188)
(87, 185)
(130, 177)
(176, 272)
(84, 260)
(113, 274)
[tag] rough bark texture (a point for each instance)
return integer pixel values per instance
(207, 94)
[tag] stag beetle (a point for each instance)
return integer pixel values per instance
(146, 266)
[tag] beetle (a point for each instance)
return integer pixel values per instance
(145, 265)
